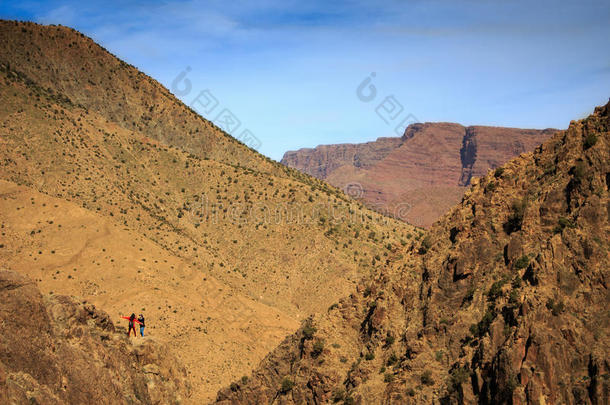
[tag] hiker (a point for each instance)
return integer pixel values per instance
(141, 322)
(131, 320)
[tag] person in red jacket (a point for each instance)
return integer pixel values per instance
(132, 319)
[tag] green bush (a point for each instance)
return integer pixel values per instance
(495, 291)
(458, 376)
(482, 327)
(287, 385)
(513, 298)
(555, 307)
(469, 295)
(393, 359)
(308, 331)
(515, 219)
(498, 172)
(369, 356)
(426, 378)
(389, 340)
(318, 348)
(579, 171)
(590, 140)
(425, 245)
(438, 355)
(522, 262)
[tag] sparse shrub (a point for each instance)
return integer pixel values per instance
(513, 298)
(495, 291)
(318, 348)
(426, 378)
(338, 395)
(579, 171)
(389, 340)
(522, 262)
(308, 331)
(244, 379)
(469, 295)
(438, 355)
(425, 245)
(393, 359)
(562, 224)
(515, 219)
(555, 307)
(287, 385)
(369, 356)
(458, 376)
(590, 140)
(498, 172)
(234, 387)
(388, 377)
(481, 328)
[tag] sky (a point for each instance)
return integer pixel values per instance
(303, 73)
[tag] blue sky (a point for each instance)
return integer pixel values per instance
(290, 70)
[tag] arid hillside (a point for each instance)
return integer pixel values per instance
(71, 352)
(504, 301)
(225, 251)
(73, 67)
(421, 175)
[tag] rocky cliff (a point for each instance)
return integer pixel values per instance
(419, 176)
(54, 350)
(504, 301)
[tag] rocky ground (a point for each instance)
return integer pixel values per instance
(54, 350)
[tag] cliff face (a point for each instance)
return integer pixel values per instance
(54, 350)
(503, 301)
(419, 176)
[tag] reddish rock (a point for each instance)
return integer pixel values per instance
(420, 175)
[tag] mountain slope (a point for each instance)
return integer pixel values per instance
(57, 351)
(69, 64)
(428, 168)
(504, 301)
(225, 250)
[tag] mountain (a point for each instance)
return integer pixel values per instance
(70, 352)
(421, 175)
(115, 192)
(503, 301)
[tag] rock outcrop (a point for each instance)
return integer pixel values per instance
(54, 350)
(420, 175)
(504, 301)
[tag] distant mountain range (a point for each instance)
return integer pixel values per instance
(420, 175)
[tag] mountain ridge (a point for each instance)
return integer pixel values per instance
(427, 168)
